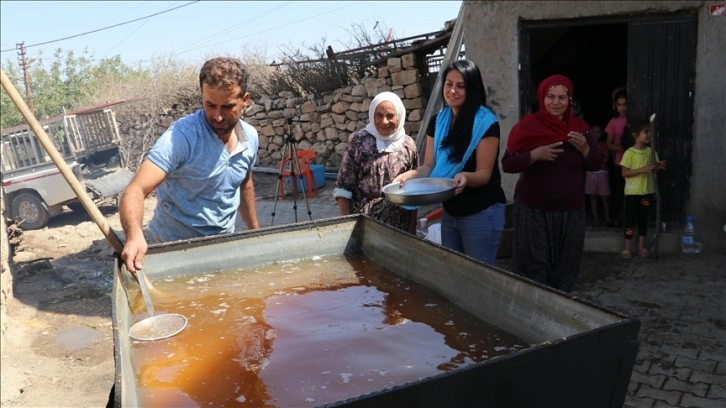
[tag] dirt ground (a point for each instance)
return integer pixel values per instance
(58, 349)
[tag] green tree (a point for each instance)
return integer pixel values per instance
(68, 82)
(9, 114)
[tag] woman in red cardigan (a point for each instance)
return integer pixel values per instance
(551, 149)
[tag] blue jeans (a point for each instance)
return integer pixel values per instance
(475, 235)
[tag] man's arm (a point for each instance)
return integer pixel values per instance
(131, 211)
(247, 209)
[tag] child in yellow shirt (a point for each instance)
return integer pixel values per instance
(637, 169)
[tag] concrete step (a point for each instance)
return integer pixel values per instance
(607, 240)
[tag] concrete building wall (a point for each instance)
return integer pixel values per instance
(491, 34)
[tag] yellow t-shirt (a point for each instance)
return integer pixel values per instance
(640, 184)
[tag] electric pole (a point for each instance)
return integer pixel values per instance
(24, 65)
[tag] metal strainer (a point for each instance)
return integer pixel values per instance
(155, 327)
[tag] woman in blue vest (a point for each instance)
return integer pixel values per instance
(462, 142)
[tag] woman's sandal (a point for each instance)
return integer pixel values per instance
(625, 254)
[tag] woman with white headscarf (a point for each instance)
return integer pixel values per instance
(373, 157)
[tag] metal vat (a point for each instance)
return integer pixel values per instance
(580, 354)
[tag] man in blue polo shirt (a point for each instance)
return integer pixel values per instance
(201, 169)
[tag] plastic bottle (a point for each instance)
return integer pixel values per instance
(688, 242)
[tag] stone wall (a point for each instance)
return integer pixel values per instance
(325, 123)
(322, 123)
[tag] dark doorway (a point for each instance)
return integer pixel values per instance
(653, 55)
(594, 57)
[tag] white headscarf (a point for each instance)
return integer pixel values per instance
(395, 140)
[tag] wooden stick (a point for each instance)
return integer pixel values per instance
(653, 160)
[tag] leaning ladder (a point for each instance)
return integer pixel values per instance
(434, 104)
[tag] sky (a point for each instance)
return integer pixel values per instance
(196, 30)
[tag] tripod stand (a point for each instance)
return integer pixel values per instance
(290, 156)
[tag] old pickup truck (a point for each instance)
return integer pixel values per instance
(35, 190)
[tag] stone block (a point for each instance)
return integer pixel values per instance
(351, 98)
(673, 384)
(351, 115)
(278, 104)
(708, 378)
(412, 128)
(682, 373)
(404, 78)
(340, 148)
(359, 90)
(408, 60)
(326, 122)
(351, 127)
(291, 102)
(274, 114)
(655, 381)
(670, 397)
(414, 115)
(304, 145)
(289, 112)
(338, 119)
(268, 131)
(324, 108)
(298, 132)
(698, 402)
(381, 82)
(383, 72)
(717, 391)
(661, 404)
(394, 65)
(340, 107)
(371, 87)
(413, 103)
(279, 123)
(254, 109)
(701, 365)
(413, 91)
(307, 107)
(331, 134)
(715, 355)
(632, 402)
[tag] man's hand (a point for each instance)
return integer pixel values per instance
(133, 253)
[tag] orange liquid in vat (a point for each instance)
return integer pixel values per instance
(305, 334)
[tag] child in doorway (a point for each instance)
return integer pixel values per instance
(597, 183)
(637, 169)
(614, 130)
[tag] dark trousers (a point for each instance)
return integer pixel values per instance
(637, 210)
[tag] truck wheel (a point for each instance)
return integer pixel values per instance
(30, 211)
